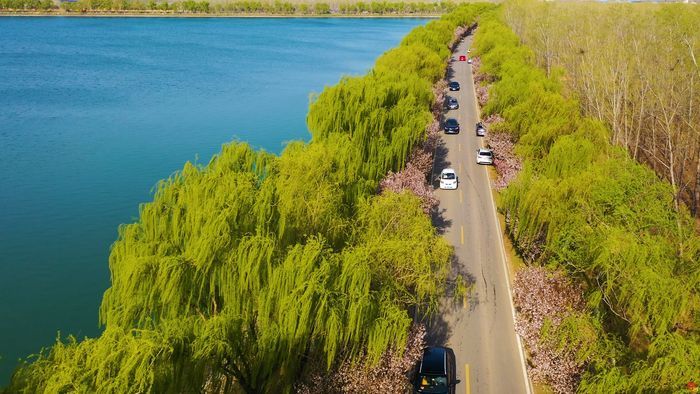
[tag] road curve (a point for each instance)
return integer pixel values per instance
(481, 333)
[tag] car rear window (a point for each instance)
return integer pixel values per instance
(485, 153)
(432, 383)
(448, 175)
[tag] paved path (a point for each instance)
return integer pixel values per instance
(482, 332)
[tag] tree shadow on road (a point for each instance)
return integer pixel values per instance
(440, 222)
(438, 329)
(460, 288)
(440, 158)
(450, 72)
(440, 162)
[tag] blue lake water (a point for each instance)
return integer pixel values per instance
(94, 111)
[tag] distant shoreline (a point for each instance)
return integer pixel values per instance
(157, 14)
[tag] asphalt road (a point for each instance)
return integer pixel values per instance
(481, 333)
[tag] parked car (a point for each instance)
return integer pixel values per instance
(451, 126)
(469, 60)
(452, 103)
(448, 179)
(454, 85)
(480, 129)
(437, 372)
(484, 156)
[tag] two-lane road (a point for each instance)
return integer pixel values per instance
(482, 333)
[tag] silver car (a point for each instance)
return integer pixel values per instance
(480, 129)
(484, 156)
(452, 103)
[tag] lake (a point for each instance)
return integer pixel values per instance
(94, 111)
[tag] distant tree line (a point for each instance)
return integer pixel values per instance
(610, 301)
(276, 7)
(244, 274)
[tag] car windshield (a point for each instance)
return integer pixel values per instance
(453, 84)
(448, 175)
(432, 383)
(485, 153)
(451, 122)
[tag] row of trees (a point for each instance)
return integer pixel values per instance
(276, 7)
(243, 274)
(43, 5)
(585, 207)
(635, 68)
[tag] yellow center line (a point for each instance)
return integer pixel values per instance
(467, 377)
(461, 234)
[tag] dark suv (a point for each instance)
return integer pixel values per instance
(436, 372)
(451, 126)
(454, 85)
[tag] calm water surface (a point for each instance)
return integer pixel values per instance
(93, 111)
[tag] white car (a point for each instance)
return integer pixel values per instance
(448, 179)
(484, 156)
(469, 60)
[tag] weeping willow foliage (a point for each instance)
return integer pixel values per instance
(241, 270)
(586, 206)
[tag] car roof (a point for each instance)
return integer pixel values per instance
(485, 150)
(434, 360)
(454, 82)
(451, 120)
(448, 170)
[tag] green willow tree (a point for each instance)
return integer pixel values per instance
(587, 207)
(241, 271)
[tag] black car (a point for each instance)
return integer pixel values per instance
(480, 130)
(451, 126)
(451, 103)
(454, 85)
(436, 373)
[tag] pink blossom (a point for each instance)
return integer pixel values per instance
(389, 376)
(540, 296)
(507, 164)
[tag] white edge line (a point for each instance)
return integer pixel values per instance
(510, 296)
(503, 255)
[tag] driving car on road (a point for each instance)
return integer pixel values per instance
(452, 103)
(451, 126)
(437, 372)
(480, 129)
(484, 156)
(454, 85)
(448, 179)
